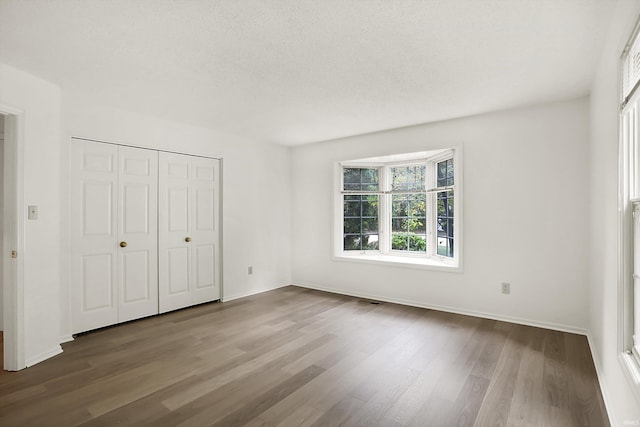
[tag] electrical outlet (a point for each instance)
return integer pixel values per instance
(33, 212)
(506, 288)
(250, 270)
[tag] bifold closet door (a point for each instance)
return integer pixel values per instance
(138, 233)
(94, 226)
(188, 217)
(113, 234)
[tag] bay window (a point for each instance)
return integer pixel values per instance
(400, 208)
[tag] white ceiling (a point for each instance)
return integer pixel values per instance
(300, 71)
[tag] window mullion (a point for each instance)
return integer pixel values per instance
(384, 225)
(431, 208)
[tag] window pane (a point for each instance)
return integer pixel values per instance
(441, 207)
(351, 175)
(360, 179)
(418, 226)
(369, 176)
(352, 209)
(442, 227)
(399, 206)
(352, 225)
(360, 212)
(399, 225)
(370, 206)
(371, 242)
(450, 168)
(360, 231)
(409, 242)
(442, 173)
(400, 241)
(418, 205)
(418, 243)
(408, 178)
(352, 242)
(409, 222)
(370, 225)
(444, 223)
(445, 173)
(445, 247)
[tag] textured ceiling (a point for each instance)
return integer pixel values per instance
(300, 71)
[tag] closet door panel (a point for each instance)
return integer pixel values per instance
(205, 187)
(93, 198)
(188, 231)
(96, 214)
(136, 284)
(137, 231)
(174, 224)
(205, 271)
(97, 289)
(178, 211)
(178, 269)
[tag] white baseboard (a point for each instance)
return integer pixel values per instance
(66, 338)
(492, 316)
(227, 298)
(44, 356)
(603, 390)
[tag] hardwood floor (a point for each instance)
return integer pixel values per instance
(297, 357)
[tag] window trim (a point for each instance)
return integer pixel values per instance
(387, 256)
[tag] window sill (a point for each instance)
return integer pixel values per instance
(632, 372)
(401, 261)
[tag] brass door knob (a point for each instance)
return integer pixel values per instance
(187, 239)
(123, 244)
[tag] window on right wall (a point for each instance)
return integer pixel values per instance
(629, 211)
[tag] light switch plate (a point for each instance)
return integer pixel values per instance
(33, 212)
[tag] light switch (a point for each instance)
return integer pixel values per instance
(33, 212)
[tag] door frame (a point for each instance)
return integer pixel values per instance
(13, 239)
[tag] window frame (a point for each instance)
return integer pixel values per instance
(628, 195)
(384, 253)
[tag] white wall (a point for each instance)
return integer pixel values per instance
(525, 198)
(40, 102)
(256, 190)
(603, 312)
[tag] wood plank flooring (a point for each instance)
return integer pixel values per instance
(297, 357)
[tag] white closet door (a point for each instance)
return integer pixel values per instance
(94, 250)
(204, 187)
(173, 219)
(137, 233)
(188, 231)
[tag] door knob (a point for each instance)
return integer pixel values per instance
(187, 239)
(123, 244)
